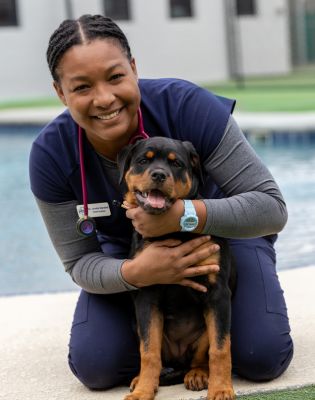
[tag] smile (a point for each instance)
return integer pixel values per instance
(109, 116)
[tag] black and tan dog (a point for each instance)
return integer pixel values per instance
(178, 326)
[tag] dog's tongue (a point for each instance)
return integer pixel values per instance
(156, 199)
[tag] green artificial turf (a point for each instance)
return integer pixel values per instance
(306, 393)
(293, 92)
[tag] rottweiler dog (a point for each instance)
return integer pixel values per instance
(178, 326)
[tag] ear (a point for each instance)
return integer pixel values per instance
(194, 161)
(134, 67)
(59, 92)
(123, 161)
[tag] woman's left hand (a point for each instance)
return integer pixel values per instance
(149, 225)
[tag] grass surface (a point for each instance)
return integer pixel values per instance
(306, 393)
(31, 103)
(292, 93)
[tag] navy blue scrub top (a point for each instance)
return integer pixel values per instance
(170, 107)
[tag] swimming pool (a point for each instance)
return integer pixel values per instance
(29, 263)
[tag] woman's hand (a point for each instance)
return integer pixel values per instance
(149, 225)
(171, 262)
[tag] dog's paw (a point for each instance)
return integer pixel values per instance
(134, 383)
(221, 394)
(142, 391)
(196, 379)
(140, 395)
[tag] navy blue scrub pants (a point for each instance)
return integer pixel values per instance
(104, 347)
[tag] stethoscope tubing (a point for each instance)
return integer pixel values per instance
(86, 225)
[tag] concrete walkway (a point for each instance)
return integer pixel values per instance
(34, 336)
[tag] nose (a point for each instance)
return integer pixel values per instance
(103, 96)
(158, 175)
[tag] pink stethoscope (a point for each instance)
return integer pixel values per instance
(86, 225)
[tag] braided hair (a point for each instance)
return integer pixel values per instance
(85, 29)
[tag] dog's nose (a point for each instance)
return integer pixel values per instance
(158, 175)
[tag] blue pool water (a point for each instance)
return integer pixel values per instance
(29, 263)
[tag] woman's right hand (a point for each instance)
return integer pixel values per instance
(171, 262)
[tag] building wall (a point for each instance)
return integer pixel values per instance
(265, 39)
(23, 70)
(190, 48)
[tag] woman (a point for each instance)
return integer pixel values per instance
(95, 76)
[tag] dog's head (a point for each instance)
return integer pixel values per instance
(158, 171)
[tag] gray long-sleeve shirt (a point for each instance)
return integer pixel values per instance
(253, 207)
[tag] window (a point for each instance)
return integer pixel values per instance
(245, 7)
(180, 8)
(8, 15)
(117, 9)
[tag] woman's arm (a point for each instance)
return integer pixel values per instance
(254, 205)
(82, 257)
(161, 262)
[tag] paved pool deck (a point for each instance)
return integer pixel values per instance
(34, 339)
(35, 329)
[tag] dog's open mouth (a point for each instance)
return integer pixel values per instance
(153, 201)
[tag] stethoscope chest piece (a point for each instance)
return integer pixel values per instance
(86, 226)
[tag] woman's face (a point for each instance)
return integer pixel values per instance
(99, 85)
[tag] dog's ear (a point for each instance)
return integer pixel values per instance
(194, 161)
(123, 161)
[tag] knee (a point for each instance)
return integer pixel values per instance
(92, 371)
(97, 368)
(264, 358)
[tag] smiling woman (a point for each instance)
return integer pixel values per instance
(95, 76)
(99, 85)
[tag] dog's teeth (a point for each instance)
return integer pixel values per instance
(145, 194)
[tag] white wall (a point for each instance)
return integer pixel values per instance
(23, 70)
(192, 48)
(265, 39)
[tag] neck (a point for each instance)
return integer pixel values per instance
(110, 148)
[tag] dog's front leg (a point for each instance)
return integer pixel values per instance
(197, 377)
(150, 326)
(220, 365)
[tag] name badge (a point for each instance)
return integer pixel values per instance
(95, 210)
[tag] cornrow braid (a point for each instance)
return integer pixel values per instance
(85, 29)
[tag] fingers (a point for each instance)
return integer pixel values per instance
(204, 255)
(194, 285)
(191, 245)
(200, 270)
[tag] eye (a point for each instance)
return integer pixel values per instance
(80, 88)
(143, 161)
(116, 77)
(175, 163)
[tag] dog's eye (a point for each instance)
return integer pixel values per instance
(176, 163)
(143, 161)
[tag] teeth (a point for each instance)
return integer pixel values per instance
(144, 194)
(108, 116)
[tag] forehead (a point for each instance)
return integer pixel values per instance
(81, 58)
(160, 147)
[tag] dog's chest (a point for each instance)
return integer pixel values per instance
(183, 325)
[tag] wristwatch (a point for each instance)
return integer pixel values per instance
(189, 221)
